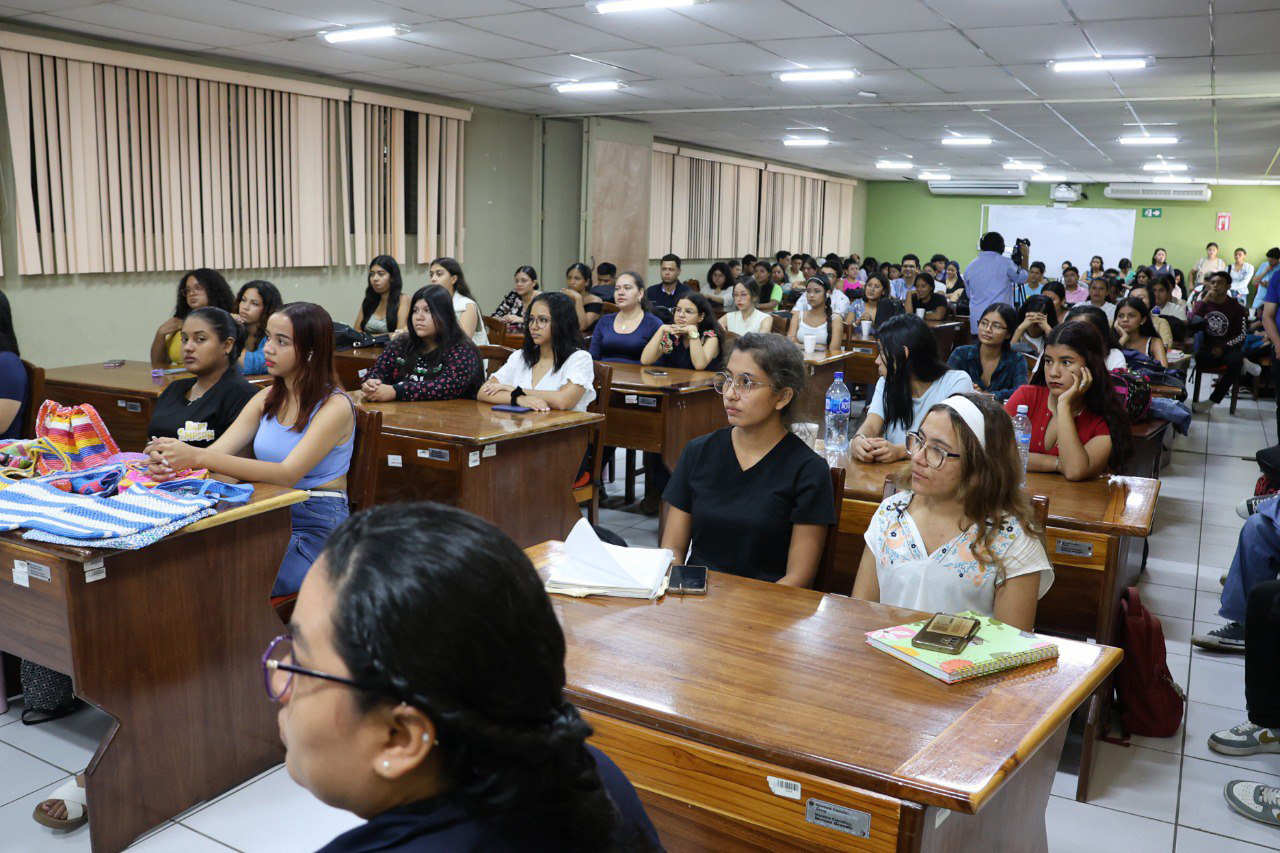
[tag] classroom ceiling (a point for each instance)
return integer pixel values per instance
(705, 74)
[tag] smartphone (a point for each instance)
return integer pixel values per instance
(688, 580)
(656, 372)
(503, 407)
(946, 633)
(119, 362)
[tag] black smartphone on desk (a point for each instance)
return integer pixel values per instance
(688, 580)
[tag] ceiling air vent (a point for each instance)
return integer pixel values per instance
(998, 188)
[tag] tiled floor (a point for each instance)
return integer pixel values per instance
(1154, 795)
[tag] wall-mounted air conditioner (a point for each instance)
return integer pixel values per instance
(1159, 192)
(1002, 188)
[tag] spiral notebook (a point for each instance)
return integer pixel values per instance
(995, 648)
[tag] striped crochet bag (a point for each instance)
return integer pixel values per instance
(77, 432)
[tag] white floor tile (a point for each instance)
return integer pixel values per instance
(647, 523)
(1134, 779)
(68, 743)
(1209, 602)
(618, 518)
(273, 815)
(1167, 600)
(174, 838)
(13, 714)
(638, 538)
(1218, 534)
(22, 774)
(1203, 720)
(1217, 556)
(1088, 828)
(1216, 683)
(1195, 841)
(1167, 572)
(1202, 806)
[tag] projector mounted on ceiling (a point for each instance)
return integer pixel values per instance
(1158, 192)
(1065, 193)
(999, 188)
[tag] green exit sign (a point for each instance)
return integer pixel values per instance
(1152, 212)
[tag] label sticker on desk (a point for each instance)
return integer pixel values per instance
(490, 450)
(361, 372)
(1074, 548)
(629, 399)
(784, 787)
(435, 454)
(37, 571)
(840, 818)
(648, 402)
(120, 403)
(133, 407)
(394, 460)
(20, 575)
(473, 459)
(94, 571)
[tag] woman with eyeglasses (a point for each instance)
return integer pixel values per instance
(993, 365)
(960, 535)
(549, 372)
(912, 379)
(415, 697)
(690, 342)
(752, 499)
(434, 361)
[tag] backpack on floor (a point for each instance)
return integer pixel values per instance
(1134, 392)
(1151, 702)
(46, 694)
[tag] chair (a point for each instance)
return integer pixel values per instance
(590, 493)
(496, 329)
(779, 324)
(494, 357)
(35, 396)
(1216, 371)
(827, 562)
(693, 284)
(609, 308)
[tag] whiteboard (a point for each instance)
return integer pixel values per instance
(1060, 234)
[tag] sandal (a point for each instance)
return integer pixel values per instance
(73, 797)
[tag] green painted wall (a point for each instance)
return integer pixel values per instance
(903, 216)
(561, 199)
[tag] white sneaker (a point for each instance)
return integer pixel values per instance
(1254, 800)
(1252, 369)
(1202, 407)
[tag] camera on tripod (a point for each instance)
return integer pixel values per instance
(1019, 246)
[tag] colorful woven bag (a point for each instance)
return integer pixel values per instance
(76, 431)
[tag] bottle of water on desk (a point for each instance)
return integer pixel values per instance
(836, 434)
(1022, 435)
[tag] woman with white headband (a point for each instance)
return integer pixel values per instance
(960, 535)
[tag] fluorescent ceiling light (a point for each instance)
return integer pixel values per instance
(1102, 64)
(1171, 179)
(966, 140)
(1042, 177)
(1148, 140)
(605, 7)
(893, 164)
(1164, 167)
(593, 86)
(812, 127)
(818, 75)
(378, 31)
(808, 142)
(934, 176)
(1019, 166)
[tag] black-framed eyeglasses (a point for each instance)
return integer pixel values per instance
(743, 385)
(278, 669)
(934, 456)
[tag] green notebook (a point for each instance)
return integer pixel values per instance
(995, 648)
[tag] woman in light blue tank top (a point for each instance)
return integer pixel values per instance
(301, 429)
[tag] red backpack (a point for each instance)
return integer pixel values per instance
(1151, 702)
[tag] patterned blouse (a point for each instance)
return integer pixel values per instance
(511, 304)
(456, 374)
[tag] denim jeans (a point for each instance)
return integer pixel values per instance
(1257, 560)
(310, 524)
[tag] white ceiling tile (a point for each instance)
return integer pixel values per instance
(671, 94)
(397, 50)
(1138, 10)
(733, 58)
(655, 28)
(503, 74)
(1157, 36)
(345, 12)
(245, 16)
(49, 5)
(896, 85)
(562, 66)
(162, 26)
(430, 80)
(977, 81)
(1001, 13)
(109, 32)
(758, 19)
(536, 100)
(462, 38)
(733, 87)
(545, 29)
(937, 49)
(650, 62)
(1047, 83)
(448, 9)
(1251, 32)
(309, 54)
(1038, 43)
(874, 16)
(830, 52)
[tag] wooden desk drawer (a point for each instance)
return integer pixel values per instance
(636, 421)
(701, 797)
(33, 618)
(415, 469)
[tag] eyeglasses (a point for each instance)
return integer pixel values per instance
(540, 321)
(278, 669)
(934, 456)
(992, 327)
(743, 385)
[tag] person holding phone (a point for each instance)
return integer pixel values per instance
(434, 360)
(549, 372)
(961, 534)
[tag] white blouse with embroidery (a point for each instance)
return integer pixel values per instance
(577, 368)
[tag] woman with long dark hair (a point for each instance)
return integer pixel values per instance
(622, 336)
(586, 305)
(196, 289)
(550, 371)
(814, 316)
(912, 379)
(1136, 330)
(13, 378)
(515, 305)
(300, 429)
(384, 308)
(691, 341)
(257, 300)
(1160, 264)
(447, 273)
(993, 365)
(1078, 424)
(422, 687)
(433, 361)
(1112, 357)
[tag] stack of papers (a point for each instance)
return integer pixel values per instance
(592, 567)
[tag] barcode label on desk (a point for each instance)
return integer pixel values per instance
(473, 459)
(840, 818)
(394, 461)
(648, 402)
(490, 450)
(133, 407)
(37, 571)
(629, 399)
(1074, 548)
(436, 454)
(20, 576)
(94, 571)
(784, 787)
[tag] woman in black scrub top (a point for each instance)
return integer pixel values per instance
(197, 410)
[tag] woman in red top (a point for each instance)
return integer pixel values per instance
(1078, 424)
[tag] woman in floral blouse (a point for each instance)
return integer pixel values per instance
(434, 361)
(690, 342)
(515, 305)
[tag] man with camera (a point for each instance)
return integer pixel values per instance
(991, 277)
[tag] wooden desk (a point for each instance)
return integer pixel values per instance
(515, 470)
(820, 371)
(661, 413)
(169, 643)
(701, 700)
(352, 363)
(1148, 447)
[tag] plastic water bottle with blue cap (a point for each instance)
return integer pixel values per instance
(836, 433)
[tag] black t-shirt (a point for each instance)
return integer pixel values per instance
(742, 519)
(202, 421)
(935, 302)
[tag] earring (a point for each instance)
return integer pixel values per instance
(386, 765)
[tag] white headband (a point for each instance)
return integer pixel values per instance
(971, 415)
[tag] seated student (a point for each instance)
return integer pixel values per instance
(664, 295)
(586, 304)
(961, 536)
(422, 687)
(1113, 358)
(820, 321)
(433, 361)
(1099, 296)
(311, 452)
(1180, 289)
(778, 279)
(851, 278)
(838, 300)
(746, 318)
(447, 273)
(196, 289)
(690, 342)
(1036, 319)
(1224, 334)
(1074, 292)
(1171, 311)
(385, 308)
(258, 300)
(1136, 331)
(513, 307)
(865, 307)
(1057, 294)
(752, 499)
(550, 371)
(993, 365)
(720, 282)
(770, 294)
(199, 410)
(13, 378)
(605, 274)
(924, 296)
(1160, 324)
(912, 379)
(1126, 270)
(956, 292)
(623, 336)
(1078, 424)
(1142, 277)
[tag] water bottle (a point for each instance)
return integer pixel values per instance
(836, 435)
(1022, 435)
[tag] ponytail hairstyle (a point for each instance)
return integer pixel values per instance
(225, 327)
(1096, 317)
(645, 305)
(990, 489)
(564, 330)
(271, 303)
(453, 268)
(826, 296)
(910, 351)
(416, 621)
(1100, 397)
(531, 273)
(1147, 328)
(779, 360)
(215, 287)
(371, 298)
(584, 271)
(317, 380)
